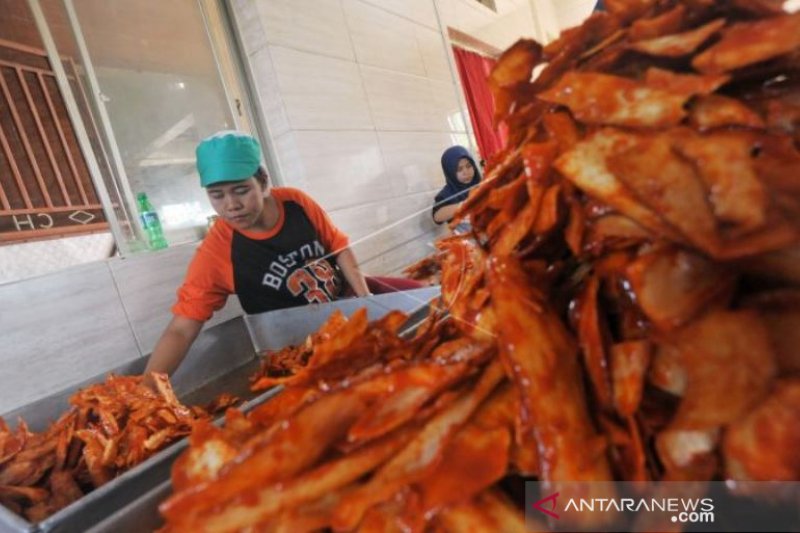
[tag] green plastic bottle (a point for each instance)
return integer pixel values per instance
(150, 223)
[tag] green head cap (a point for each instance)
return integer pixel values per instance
(227, 156)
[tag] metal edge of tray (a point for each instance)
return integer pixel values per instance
(99, 504)
(274, 330)
(141, 514)
(192, 388)
(11, 522)
(102, 501)
(138, 516)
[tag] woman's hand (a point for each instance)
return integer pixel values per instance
(446, 213)
(347, 262)
(172, 347)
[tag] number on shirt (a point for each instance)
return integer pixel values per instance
(302, 282)
(324, 272)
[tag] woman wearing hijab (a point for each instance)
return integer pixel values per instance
(461, 174)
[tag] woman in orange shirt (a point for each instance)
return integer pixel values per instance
(274, 247)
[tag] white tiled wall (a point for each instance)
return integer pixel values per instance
(59, 329)
(420, 11)
(46, 330)
(345, 168)
(320, 92)
(316, 26)
(383, 39)
(434, 56)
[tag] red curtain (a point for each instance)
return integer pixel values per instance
(474, 69)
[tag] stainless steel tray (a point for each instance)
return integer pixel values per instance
(270, 331)
(12, 523)
(138, 516)
(222, 363)
(275, 329)
(131, 500)
(133, 485)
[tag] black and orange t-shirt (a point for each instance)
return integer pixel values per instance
(292, 264)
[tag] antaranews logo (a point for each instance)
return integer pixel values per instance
(683, 510)
(710, 506)
(551, 500)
